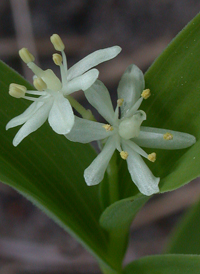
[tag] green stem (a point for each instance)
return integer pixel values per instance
(85, 113)
(113, 179)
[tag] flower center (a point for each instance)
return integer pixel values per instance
(48, 76)
(130, 127)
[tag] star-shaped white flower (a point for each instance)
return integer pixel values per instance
(52, 102)
(125, 134)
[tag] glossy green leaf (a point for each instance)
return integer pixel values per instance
(165, 264)
(174, 81)
(48, 170)
(186, 236)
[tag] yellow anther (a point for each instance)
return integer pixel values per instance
(39, 84)
(57, 58)
(124, 155)
(26, 56)
(152, 157)
(167, 136)
(146, 93)
(120, 102)
(17, 91)
(57, 42)
(108, 127)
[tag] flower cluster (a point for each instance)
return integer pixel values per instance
(123, 131)
(125, 134)
(52, 102)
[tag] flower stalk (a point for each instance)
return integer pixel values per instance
(85, 113)
(112, 171)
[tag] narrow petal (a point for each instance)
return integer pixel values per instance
(134, 108)
(99, 97)
(61, 116)
(141, 175)
(38, 119)
(82, 82)
(85, 131)
(27, 114)
(92, 60)
(136, 148)
(130, 87)
(95, 172)
(154, 138)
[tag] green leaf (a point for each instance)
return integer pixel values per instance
(174, 81)
(186, 237)
(118, 216)
(165, 264)
(48, 170)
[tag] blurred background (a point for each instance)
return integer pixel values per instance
(29, 241)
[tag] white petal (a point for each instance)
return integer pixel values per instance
(92, 60)
(95, 172)
(153, 138)
(22, 118)
(99, 97)
(136, 148)
(85, 131)
(82, 82)
(141, 175)
(61, 116)
(38, 119)
(134, 108)
(130, 87)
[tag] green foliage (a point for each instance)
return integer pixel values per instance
(165, 264)
(186, 236)
(118, 216)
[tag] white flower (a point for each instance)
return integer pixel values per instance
(125, 134)
(51, 102)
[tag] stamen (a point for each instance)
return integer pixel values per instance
(146, 93)
(39, 84)
(124, 155)
(57, 42)
(152, 157)
(108, 127)
(26, 56)
(57, 58)
(17, 91)
(167, 136)
(32, 98)
(48, 77)
(120, 102)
